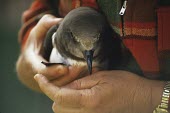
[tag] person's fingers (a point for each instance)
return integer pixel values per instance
(50, 72)
(34, 43)
(38, 33)
(65, 109)
(73, 73)
(49, 89)
(54, 72)
(86, 82)
(44, 25)
(62, 96)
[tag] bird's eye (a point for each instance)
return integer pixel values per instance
(71, 33)
(74, 37)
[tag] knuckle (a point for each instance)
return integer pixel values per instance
(46, 16)
(45, 20)
(61, 70)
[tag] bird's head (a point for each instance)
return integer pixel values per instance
(80, 34)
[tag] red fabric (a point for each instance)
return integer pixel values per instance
(35, 9)
(139, 25)
(89, 3)
(145, 52)
(164, 28)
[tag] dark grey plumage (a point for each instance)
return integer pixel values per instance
(85, 35)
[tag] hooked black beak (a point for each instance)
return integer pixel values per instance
(89, 58)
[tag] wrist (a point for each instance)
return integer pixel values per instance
(157, 91)
(148, 96)
(163, 105)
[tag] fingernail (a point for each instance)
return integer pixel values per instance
(37, 76)
(57, 19)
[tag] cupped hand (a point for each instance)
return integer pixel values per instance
(104, 92)
(29, 62)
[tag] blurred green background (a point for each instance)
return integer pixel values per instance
(15, 97)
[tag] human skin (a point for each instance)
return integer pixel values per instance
(104, 92)
(29, 61)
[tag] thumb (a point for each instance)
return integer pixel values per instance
(48, 88)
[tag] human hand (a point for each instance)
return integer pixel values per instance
(104, 92)
(29, 62)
